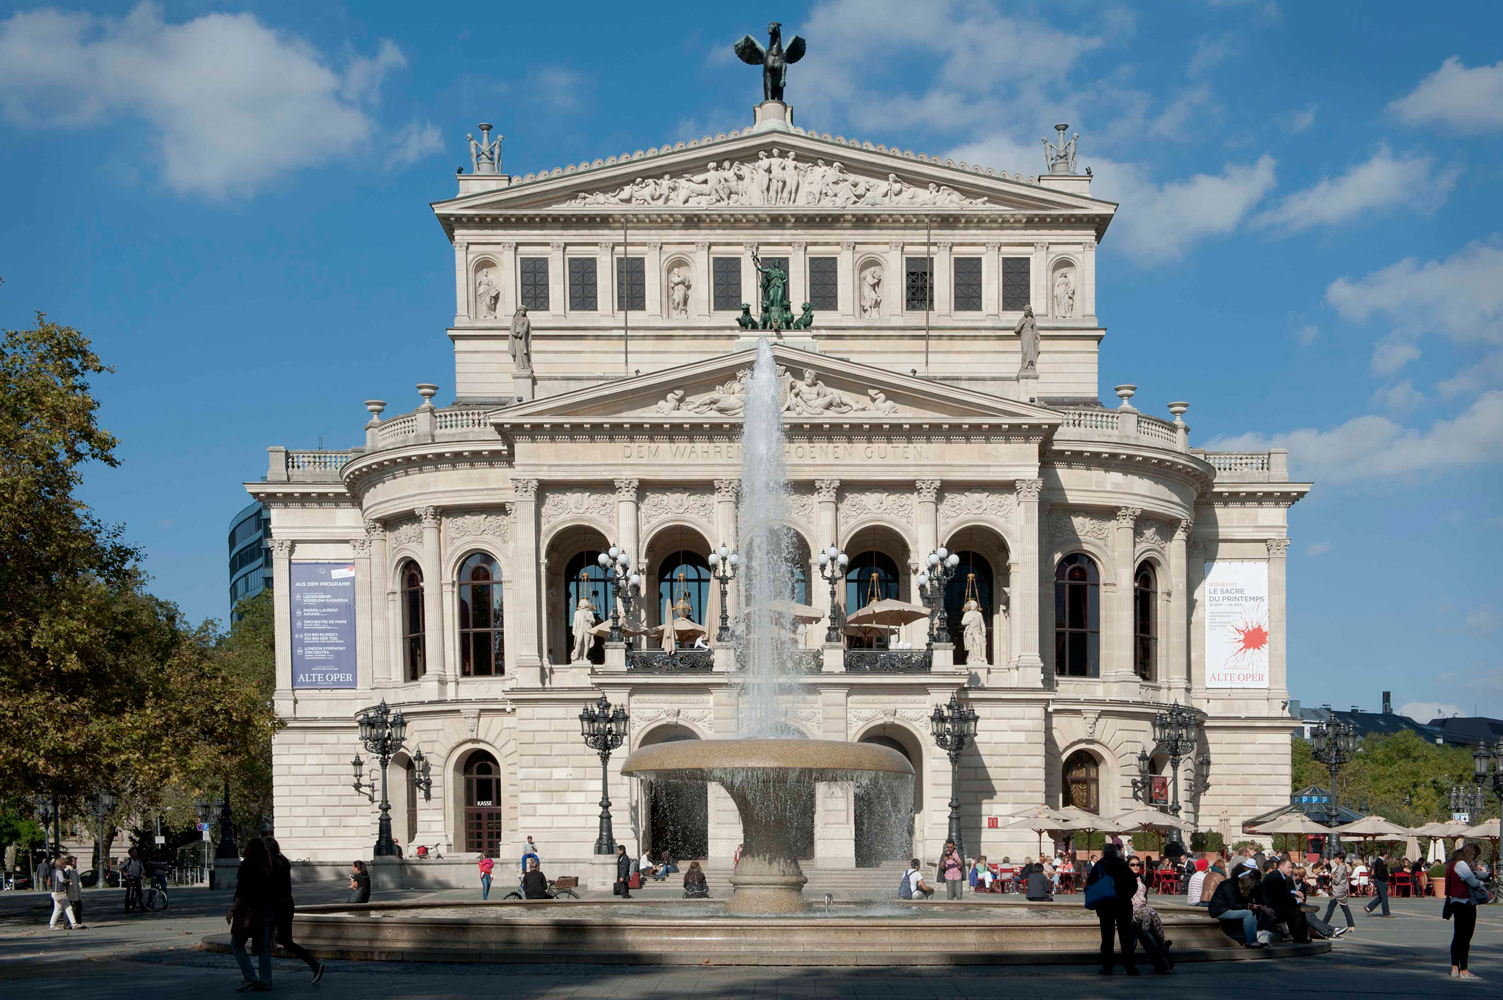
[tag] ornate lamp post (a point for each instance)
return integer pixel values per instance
(604, 729)
(1466, 800)
(1176, 734)
(723, 564)
(422, 774)
(954, 728)
(832, 563)
(1143, 783)
(1335, 743)
(101, 803)
(49, 814)
(383, 732)
(941, 565)
(226, 848)
(621, 580)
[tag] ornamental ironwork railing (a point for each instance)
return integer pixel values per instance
(679, 661)
(889, 661)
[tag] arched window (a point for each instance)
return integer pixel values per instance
(1077, 617)
(1082, 782)
(414, 649)
(1144, 623)
(974, 576)
(693, 587)
(481, 636)
(482, 804)
(862, 589)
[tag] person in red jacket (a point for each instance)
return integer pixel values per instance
(487, 865)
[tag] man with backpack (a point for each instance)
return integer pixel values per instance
(913, 885)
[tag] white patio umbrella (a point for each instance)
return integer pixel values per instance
(1374, 827)
(635, 627)
(1143, 818)
(1047, 820)
(1442, 828)
(1293, 824)
(1483, 831)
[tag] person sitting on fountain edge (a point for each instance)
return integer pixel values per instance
(534, 883)
(913, 885)
(695, 885)
(647, 868)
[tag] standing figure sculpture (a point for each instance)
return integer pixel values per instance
(487, 294)
(973, 629)
(1064, 295)
(871, 291)
(678, 292)
(520, 340)
(1028, 333)
(777, 312)
(584, 620)
(774, 59)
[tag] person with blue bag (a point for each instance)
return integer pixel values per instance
(1464, 890)
(1109, 890)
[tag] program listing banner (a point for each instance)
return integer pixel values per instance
(323, 624)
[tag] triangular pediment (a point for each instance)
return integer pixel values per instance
(775, 171)
(812, 387)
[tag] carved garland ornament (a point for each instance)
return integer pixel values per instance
(408, 532)
(858, 718)
(1064, 525)
(660, 505)
(642, 718)
(478, 525)
(1152, 534)
(807, 397)
(802, 506)
(776, 179)
(959, 506)
(559, 506)
(873, 502)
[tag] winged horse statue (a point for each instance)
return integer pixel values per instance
(774, 59)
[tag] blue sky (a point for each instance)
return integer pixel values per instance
(232, 201)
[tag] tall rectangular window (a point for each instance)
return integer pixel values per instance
(534, 274)
(1015, 284)
(919, 291)
(631, 283)
(824, 291)
(582, 283)
(727, 279)
(967, 284)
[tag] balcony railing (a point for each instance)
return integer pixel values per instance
(678, 661)
(1092, 423)
(1270, 466)
(889, 661)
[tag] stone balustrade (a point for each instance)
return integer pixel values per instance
(428, 424)
(307, 465)
(1096, 424)
(1270, 466)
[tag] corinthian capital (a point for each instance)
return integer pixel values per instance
(725, 489)
(1278, 548)
(281, 547)
(626, 489)
(1182, 530)
(525, 489)
(825, 489)
(1029, 489)
(361, 545)
(928, 489)
(1128, 516)
(429, 516)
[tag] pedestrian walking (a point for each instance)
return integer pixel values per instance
(952, 871)
(1114, 911)
(284, 907)
(44, 875)
(622, 887)
(360, 883)
(252, 916)
(75, 887)
(1464, 890)
(1341, 890)
(60, 905)
(131, 873)
(1380, 885)
(487, 866)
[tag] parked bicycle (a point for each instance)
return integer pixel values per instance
(154, 898)
(558, 888)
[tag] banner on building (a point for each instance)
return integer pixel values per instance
(1236, 617)
(323, 624)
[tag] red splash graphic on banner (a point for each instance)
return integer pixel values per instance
(1249, 642)
(1253, 637)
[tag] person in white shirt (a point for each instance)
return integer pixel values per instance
(917, 887)
(1197, 882)
(646, 867)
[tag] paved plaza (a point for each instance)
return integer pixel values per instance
(158, 955)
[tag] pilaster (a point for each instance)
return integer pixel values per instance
(281, 586)
(702, 295)
(1027, 621)
(436, 681)
(1278, 681)
(530, 667)
(364, 613)
(1178, 680)
(653, 279)
(382, 605)
(605, 277)
(510, 280)
(798, 276)
(845, 276)
(991, 281)
(893, 285)
(558, 282)
(943, 279)
(1116, 645)
(461, 281)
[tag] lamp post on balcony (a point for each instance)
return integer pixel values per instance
(604, 729)
(832, 563)
(723, 564)
(941, 565)
(1176, 734)
(620, 579)
(1335, 743)
(954, 729)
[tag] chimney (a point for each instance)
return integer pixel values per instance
(1387, 702)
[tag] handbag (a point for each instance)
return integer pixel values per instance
(1480, 894)
(1101, 892)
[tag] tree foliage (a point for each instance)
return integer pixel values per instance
(1401, 777)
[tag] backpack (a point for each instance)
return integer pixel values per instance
(905, 887)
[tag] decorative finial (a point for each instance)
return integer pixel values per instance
(1124, 392)
(1178, 409)
(485, 155)
(1061, 157)
(375, 406)
(427, 390)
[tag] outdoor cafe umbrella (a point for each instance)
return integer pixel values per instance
(1483, 831)
(1373, 827)
(798, 614)
(883, 615)
(636, 627)
(1046, 819)
(1143, 818)
(1439, 832)
(1294, 824)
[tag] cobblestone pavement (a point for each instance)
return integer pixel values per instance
(157, 956)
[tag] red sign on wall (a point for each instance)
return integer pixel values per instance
(1158, 790)
(992, 823)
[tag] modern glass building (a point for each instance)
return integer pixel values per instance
(250, 553)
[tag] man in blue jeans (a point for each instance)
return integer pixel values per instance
(1243, 919)
(1380, 885)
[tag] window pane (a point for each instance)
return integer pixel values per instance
(727, 283)
(824, 292)
(1093, 654)
(1015, 283)
(920, 295)
(534, 275)
(631, 283)
(482, 655)
(480, 607)
(967, 284)
(1076, 606)
(1077, 658)
(582, 283)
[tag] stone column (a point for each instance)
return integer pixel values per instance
(461, 281)
(1085, 281)
(894, 283)
(927, 518)
(528, 588)
(1038, 281)
(826, 533)
(725, 527)
(1026, 610)
(436, 681)
(509, 280)
(702, 295)
(1278, 684)
(944, 284)
(628, 528)
(381, 594)
(991, 281)
(798, 276)
(845, 276)
(1116, 644)
(281, 583)
(365, 677)
(1178, 585)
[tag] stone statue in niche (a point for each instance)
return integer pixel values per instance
(1027, 330)
(871, 291)
(1064, 294)
(678, 292)
(777, 314)
(973, 630)
(487, 293)
(520, 340)
(584, 620)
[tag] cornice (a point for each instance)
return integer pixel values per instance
(421, 457)
(1255, 494)
(1130, 458)
(329, 494)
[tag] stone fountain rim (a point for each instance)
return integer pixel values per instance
(695, 759)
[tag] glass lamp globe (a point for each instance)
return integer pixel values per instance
(824, 559)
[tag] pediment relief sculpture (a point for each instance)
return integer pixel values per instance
(777, 179)
(807, 396)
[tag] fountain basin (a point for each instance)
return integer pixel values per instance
(771, 782)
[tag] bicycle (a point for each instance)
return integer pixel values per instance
(154, 899)
(558, 888)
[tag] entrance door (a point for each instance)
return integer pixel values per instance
(482, 804)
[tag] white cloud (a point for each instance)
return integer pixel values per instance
(1298, 121)
(1160, 222)
(1381, 182)
(559, 85)
(1461, 295)
(1392, 353)
(1174, 122)
(1308, 333)
(1403, 396)
(1482, 621)
(1474, 377)
(416, 141)
(1212, 52)
(230, 102)
(1470, 100)
(1375, 447)
(1424, 711)
(1319, 549)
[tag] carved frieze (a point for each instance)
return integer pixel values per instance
(559, 505)
(776, 178)
(1063, 524)
(644, 717)
(806, 396)
(481, 524)
(661, 505)
(876, 503)
(405, 532)
(1151, 534)
(858, 719)
(802, 507)
(956, 506)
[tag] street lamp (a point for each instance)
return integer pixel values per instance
(101, 804)
(832, 563)
(620, 579)
(422, 774)
(1143, 783)
(1176, 733)
(1335, 743)
(723, 568)
(383, 732)
(932, 582)
(954, 728)
(49, 814)
(204, 810)
(604, 729)
(1466, 800)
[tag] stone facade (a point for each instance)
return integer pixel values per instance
(908, 428)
